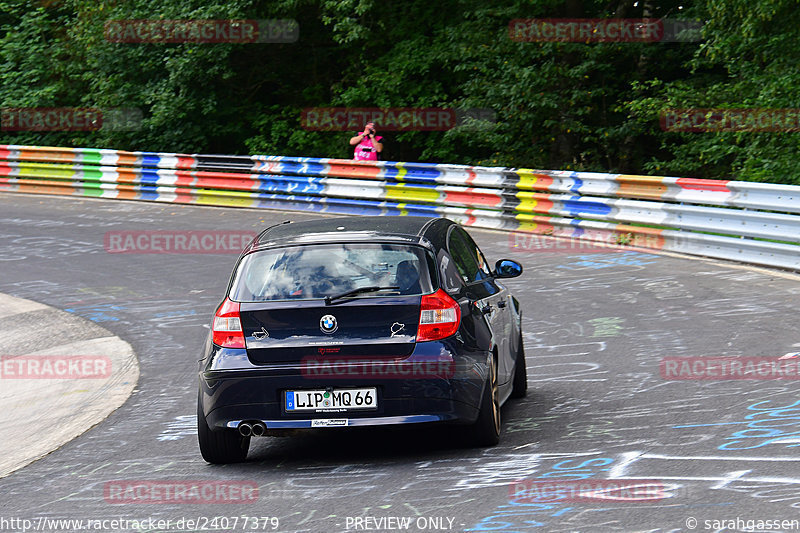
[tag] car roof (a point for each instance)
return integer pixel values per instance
(355, 228)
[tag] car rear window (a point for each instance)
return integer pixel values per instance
(317, 271)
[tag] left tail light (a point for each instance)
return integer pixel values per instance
(439, 317)
(227, 328)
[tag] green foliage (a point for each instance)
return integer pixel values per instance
(565, 105)
(750, 59)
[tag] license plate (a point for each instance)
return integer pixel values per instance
(337, 400)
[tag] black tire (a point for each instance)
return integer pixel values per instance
(520, 387)
(222, 446)
(486, 430)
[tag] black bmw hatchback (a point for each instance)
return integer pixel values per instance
(360, 321)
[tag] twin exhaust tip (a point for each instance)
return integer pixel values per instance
(252, 429)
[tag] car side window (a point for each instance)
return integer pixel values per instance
(483, 266)
(470, 263)
(448, 274)
(468, 259)
(465, 262)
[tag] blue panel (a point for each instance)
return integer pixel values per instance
(292, 185)
(148, 177)
(576, 207)
(433, 186)
(150, 159)
(290, 203)
(291, 167)
(353, 207)
(577, 185)
(390, 172)
(422, 172)
(422, 210)
(316, 169)
(148, 193)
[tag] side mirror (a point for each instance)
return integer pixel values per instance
(507, 268)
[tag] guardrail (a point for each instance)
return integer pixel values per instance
(742, 221)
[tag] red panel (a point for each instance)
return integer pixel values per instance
(470, 176)
(704, 185)
(184, 196)
(543, 204)
(543, 181)
(470, 198)
(184, 178)
(186, 162)
(351, 170)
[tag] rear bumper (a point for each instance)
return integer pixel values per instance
(232, 389)
(341, 422)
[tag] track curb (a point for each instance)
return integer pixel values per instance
(39, 414)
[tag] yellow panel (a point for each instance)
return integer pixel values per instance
(32, 170)
(402, 192)
(225, 198)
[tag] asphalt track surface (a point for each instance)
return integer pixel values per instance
(599, 411)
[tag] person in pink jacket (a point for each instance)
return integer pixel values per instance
(367, 144)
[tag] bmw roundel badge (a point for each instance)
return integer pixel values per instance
(328, 324)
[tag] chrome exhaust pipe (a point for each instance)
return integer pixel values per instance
(258, 429)
(245, 429)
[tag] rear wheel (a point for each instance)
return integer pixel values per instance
(220, 447)
(486, 430)
(520, 387)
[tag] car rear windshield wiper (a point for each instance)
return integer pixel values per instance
(360, 290)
